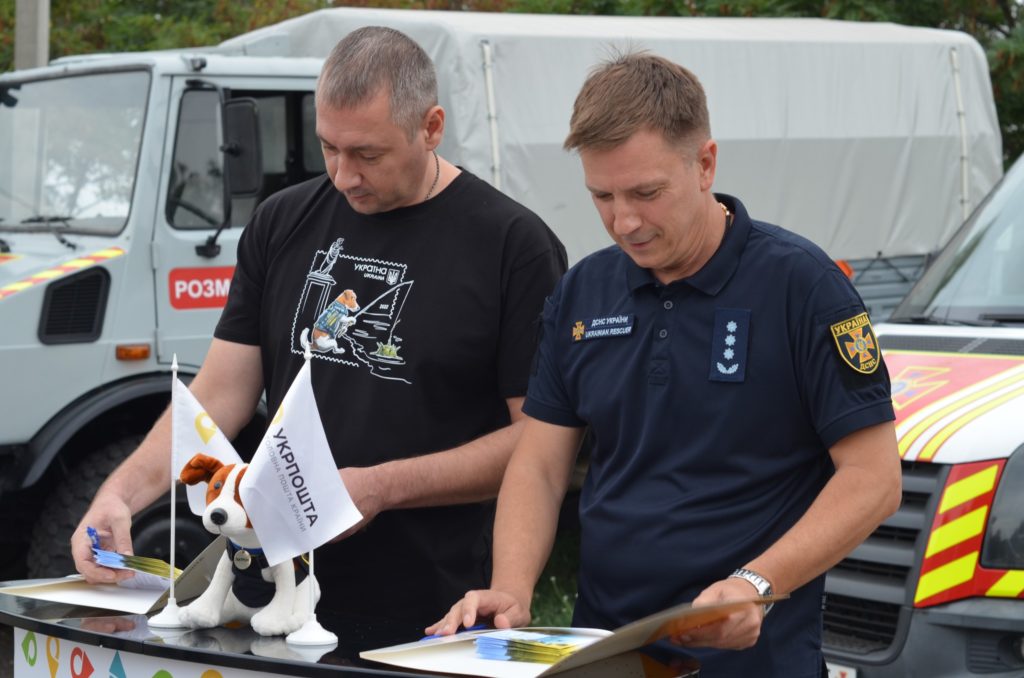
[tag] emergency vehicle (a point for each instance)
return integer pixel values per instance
(126, 180)
(938, 589)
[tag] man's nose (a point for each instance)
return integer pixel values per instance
(345, 175)
(625, 220)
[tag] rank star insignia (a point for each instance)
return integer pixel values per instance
(578, 330)
(856, 343)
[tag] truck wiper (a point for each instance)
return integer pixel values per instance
(48, 219)
(53, 221)
(4, 247)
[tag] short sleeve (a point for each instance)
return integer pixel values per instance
(535, 261)
(240, 320)
(547, 398)
(843, 377)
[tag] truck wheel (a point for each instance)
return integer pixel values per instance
(49, 553)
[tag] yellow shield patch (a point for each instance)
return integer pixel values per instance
(856, 343)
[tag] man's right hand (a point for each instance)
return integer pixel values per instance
(503, 608)
(112, 519)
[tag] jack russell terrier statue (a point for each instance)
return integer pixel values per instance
(274, 600)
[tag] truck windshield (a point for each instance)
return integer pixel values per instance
(69, 148)
(978, 278)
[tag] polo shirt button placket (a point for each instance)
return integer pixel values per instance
(659, 367)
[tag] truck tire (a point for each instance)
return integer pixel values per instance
(49, 553)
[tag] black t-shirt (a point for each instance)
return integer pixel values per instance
(421, 321)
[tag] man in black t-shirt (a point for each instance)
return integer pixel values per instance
(416, 286)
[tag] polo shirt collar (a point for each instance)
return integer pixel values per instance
(720, 267)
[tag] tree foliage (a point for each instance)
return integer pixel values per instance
(83, 26)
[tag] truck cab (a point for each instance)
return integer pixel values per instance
(938, 589)
(125, 181)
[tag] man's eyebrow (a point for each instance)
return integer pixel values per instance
(356, 149)
(641, 187)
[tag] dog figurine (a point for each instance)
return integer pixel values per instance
(244, 588)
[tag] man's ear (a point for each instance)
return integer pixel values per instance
(200, 469)
(707, 160)
(433, 127)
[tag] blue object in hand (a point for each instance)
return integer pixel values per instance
(94, 536)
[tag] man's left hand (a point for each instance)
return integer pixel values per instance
(738, 631)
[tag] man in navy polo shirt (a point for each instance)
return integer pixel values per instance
(737, 397)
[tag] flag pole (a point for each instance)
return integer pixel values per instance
(168, 617)
(311, 632)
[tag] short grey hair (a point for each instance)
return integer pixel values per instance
(373, 57)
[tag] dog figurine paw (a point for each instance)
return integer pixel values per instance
(274, 600)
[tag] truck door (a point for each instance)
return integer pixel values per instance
(193, 256)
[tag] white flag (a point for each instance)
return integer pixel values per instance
(193, 432)
(292, 491)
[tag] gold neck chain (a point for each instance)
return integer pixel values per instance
(728, 214)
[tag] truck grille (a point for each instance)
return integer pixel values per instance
(868, 592)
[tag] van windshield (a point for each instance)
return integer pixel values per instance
(69, 148)
(978, 278)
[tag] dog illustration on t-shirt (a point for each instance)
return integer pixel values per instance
(334, 322)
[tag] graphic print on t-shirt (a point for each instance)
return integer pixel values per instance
(349, 310)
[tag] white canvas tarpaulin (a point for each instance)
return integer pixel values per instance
(867, 138)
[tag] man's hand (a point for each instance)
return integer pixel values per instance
(365, 492)
(503, 608)
(112, 519)
(738, 631)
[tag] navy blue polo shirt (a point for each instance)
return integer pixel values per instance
(712, 402)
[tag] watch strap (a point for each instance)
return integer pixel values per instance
(763, 586)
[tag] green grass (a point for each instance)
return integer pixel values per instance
(555, 595)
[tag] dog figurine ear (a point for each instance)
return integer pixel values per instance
(200, 469)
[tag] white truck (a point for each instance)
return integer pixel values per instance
(125, 180)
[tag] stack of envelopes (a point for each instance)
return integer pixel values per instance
(120, 561)
(529, 646)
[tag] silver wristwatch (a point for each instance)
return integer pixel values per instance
(763, 586)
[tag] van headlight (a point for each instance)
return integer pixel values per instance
(1003, 548)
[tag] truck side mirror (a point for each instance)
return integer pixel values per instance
(242, 153)
(243, 162)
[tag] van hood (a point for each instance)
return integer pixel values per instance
(958, 392)
(20, 271)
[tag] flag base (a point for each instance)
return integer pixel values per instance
(168, 617)
(311, 633)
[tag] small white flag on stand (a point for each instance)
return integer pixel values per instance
(194, 432)
(293, 492)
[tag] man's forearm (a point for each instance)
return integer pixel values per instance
(528, 506)
(468, 473)
(857, 498)
(145, 475)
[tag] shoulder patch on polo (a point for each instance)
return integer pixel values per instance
(729, 344)
(856, 343)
